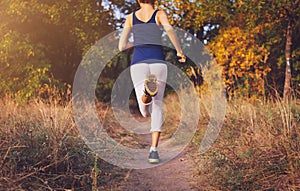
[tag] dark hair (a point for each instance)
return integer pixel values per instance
(148, 1)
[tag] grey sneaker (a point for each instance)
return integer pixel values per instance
(153, 157)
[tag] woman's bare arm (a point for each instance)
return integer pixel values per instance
(123, 42)
(163, 20)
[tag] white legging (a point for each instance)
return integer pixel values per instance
(154, 109)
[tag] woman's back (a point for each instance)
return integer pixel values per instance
(147, 38)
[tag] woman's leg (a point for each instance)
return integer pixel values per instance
(138, 74)
(160, 71)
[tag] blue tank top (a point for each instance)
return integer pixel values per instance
(147, 41)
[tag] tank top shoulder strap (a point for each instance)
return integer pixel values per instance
(152, 20)
(135, 20)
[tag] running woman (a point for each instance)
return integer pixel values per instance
(148, 69)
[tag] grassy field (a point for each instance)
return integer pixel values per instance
(41, 150)
(258, 148)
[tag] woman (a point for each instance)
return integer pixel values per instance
(148, 69)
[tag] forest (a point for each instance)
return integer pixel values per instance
(255, 42)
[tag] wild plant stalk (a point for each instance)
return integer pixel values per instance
(95, 174)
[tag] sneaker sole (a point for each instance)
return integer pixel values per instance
(151, 87)
(152, 161)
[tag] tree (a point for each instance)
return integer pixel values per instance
(230, 31)
(280, 20)
(269, 27)
(243, 62)
(23, 63)
(203, 18)
(288, 12)
(49, 36)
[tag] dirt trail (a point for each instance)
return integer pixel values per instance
(176, 175)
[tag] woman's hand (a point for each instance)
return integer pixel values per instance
(181, 56)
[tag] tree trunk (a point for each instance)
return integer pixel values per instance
(288, 71)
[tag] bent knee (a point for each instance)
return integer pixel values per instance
(145, 114)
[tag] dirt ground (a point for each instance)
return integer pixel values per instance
(178, 174)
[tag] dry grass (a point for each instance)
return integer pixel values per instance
(40, 149)
(258, 148)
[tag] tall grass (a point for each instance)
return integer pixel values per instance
(258, 147)
(40, 149)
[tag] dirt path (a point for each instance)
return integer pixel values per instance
(176, 175)
(179, 174)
